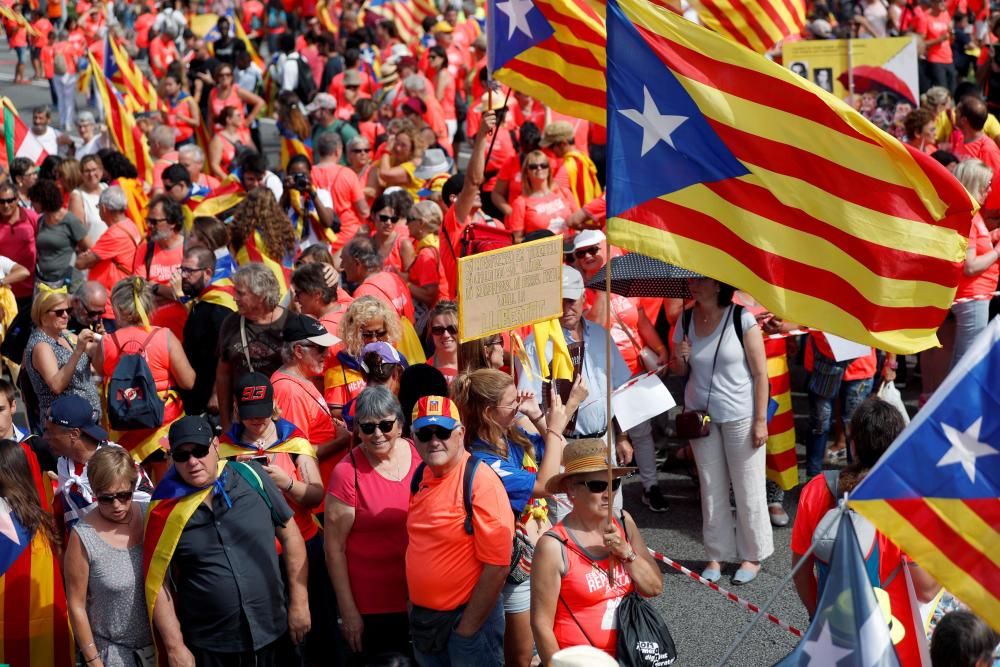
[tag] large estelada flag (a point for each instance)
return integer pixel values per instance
(124, 131)
(756, 24)
(725, 163)
(34, 627)
(138, 92)
(936, 492)
(18, 141)
(553, 50)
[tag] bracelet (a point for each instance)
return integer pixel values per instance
(556, 433)
(291, 483)
(96, 657)
(632, 555)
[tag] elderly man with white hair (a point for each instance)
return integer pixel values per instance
(162, 142)
(111, 258)
(193, 159)
(92, 137)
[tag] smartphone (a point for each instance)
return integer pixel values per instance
(261, 460)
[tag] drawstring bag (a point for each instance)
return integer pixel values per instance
(643, 637)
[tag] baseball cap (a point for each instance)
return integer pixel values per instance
(560, 130)
(572, 283)
(587, 238)
(72, 411)
(435, 411)
(352, 78)
(192, 429)
(442, 26)
(254, 396)
(302, 327)
(387, 353)
(322, 101)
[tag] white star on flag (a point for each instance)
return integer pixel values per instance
(517, 15)
(656, 127)
(823, 651)
(873, 638)
(965, 448)
(500, 472)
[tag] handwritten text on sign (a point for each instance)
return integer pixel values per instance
(508, 288)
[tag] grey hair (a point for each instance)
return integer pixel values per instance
(85, 118)
(375, 403)
(91, 288)
(359, 140)
(192, 151)
(328, 143)
(363, 251)
(259, 280)
(43, 108)
(975, 176)
(113, 199)
(414, 83)
(427, 212)
(163, 136)
(124, 295)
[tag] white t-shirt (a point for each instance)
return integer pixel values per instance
(6, 266)
(732, 384)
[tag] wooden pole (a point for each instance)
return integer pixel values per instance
(610, 434)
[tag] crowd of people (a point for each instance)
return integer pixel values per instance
(252, 434)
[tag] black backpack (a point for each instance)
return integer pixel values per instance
(467, 477)
(305, 89)
(133, 402)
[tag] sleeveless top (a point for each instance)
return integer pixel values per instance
(179, 108)
(91, 216)
(116, 599)
(216, 104)
(81, 383)
(157, 354)
(586, 596)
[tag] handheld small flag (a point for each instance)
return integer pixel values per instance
(18, 141)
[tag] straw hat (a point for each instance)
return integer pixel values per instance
(583, 456)
(582, 656)
(487, 103)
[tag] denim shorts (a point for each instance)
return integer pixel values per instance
(22, 54)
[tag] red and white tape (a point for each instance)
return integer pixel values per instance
(978, 297)
(749, 606)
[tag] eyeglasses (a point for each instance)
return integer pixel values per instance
(491, 342)
(181, 456)
(372, 335)
(94, 314)
(156, 221)
(600, 485)
(538, 166)
(351, 87)
(187, 270)
(517, 402)
(388, 218)
(385, 426)
(426, 433)
(121, 496)
(225, 75)
(361, 150)
(439, 330)
(587, 252)
(12, 200)
(60, 312)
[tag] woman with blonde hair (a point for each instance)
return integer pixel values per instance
(132, 301)
(105, 589)
(398, 165)
(261, 231)
(83, 199)
(69, 176)
(542, 204)
(490, 406)
(367, 320)
(56, 361)
(421, 257)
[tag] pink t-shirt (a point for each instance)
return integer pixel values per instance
(529, 214)
(376, 545)
(932, 27)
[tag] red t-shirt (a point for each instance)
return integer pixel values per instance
(985, 282)
(302, 404)
(345, 188)
(44, 28)
(511, 172)
(529, 213)
(932, 26)
(861, 368)
(18, 243)
(425, 269)
(376, 545)
(389, 288)
(115, 250)
(165, 262)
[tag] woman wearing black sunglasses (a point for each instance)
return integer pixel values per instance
(572, 601)
(103, 567)
(443, 330)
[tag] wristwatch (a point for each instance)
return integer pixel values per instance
(632, 555)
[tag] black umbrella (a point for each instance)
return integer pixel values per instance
(638, 275)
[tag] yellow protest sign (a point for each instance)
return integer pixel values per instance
(508, 288)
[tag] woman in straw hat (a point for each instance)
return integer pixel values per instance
(572, 601)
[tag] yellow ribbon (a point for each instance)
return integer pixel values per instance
(45, 289)
(136, 288)
(517, 348)
(562, 363)
(428, 241)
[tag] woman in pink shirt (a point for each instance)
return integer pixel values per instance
(542, 204)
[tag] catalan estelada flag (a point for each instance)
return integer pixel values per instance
(936, 492)
(220, 292)
(221, 200)
(124, 131)
(756, 24)
(255, 250)
(172, 505)
(782, 463)
(138, 92)
(292, 145)
(34, 628)
(725, 163)
(553, 50)
(17, 138)
(290, 440)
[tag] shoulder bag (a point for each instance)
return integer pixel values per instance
(694, 424)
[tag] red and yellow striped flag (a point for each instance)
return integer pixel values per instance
(782, 463)
(725, 163)
(756, 24)
(255, 250)
(138, 92)
(227, 196)
(17, 18)
(124, 131)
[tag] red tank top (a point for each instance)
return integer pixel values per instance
(131, 340)
(216, 104)
(586, 592)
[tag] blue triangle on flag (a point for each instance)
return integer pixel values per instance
(658, 140)
(514, 27)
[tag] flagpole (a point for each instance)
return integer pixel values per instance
(610, 433)
(842, 506)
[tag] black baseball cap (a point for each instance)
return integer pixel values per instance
(254, 396)
(300, 327)
(192, 430)
(72, 411)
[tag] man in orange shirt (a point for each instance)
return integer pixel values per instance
(363, 266)
(43, 28)
(113, 255)
(346, 190)
(458, 554)
(163, 51)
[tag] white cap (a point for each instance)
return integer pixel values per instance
(582, 656)
(587, 238)
(572, 283)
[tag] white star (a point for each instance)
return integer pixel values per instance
(517, 15)
(965, 448)
(502, 473)
(655, 126)
(823, 651)
(874, 638)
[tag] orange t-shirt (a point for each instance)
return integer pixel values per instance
(985, 282)
(389, 288)
(345, 188)
(859, 369)
(440, 550)
(142, 26)
(165, 262)
(115, 250)
(161, 54)
(529, 214)
(302, 404)
(43, 27)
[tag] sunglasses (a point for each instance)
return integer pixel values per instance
(372, 335)
(587, 252)
(538, 166)
(94, 314)
(60, 312)
(361, 150)
(426, 433)
(12, 200)
(491, 342)
(439, 330)
(388, 218)
(351, 87)
(182, 456)
(600, 485)
(121, 496)
(385, 426)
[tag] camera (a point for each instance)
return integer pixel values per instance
(300, 181)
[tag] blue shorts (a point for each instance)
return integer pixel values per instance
(22, 54)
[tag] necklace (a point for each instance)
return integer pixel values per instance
(395, 474)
